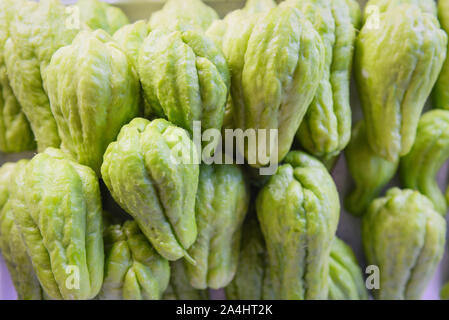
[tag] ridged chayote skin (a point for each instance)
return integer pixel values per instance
(150, 180)
(130, 39)
(429, 152)
(395, 76)
(382, 6)
(183, 15)
(370, 172)
(440, 96)
(94, 90)
(15, 131)
(99, 15)
(276, 60)
(345, 276)
(404, 236)
(179, 287)
(12, 247)
(221, 206)
(326, 128)
(57, 208)
(298, 210)
(133, 269)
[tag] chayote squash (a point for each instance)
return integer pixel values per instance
(93, 90)
(57, 208)
(255, 6)
(404, 237)
(345, 276)
(179, 287)
(130, 39)
(133, 269)
(396, 66)
(298, 210)
(440, 95)
(429, 152)
(152, 173)
(221, 205)
(381, 6)
(370, 172)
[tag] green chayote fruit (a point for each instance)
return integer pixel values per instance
(429, 152)
(179, 287)
(15, 131)
(221, 205)
(133, 269)
(370, 172)
(185, 78)
(12, 247)
(381, 6)
(36, 32)
(131, 37)
(183, 15)
(276, 60)
(404, 236)
(94, 90)
(255, 6)
(57, 208)
(298, 210)
(99, 15)
(152, 173)
(440, 96)
(345, 276)
(396, 65)
(326, 128)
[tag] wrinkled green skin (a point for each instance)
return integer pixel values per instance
(185, 78)
(143, 177)
(427, 6)
(276, 60)
(130, 39)
(15, 131)
(326, 128)
(249, 280)
(133, 269)
(440, 95)
(404, 236)
(94, 90)
(393, 79)
(430, 151)
(221, 206)
(298, 210)
(183, 15)
(99, 15)
(345, 276)
(12, 247)
(370, 172)
(179, 287)
(57, 208)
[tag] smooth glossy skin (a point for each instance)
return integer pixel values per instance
(345, 276)
(326, 127)
(440, 95)
(404, 236)
(57, 208)
(298, 210)
(395, 77)
(150, 180)
(94, 90)
(133, 269)
(179, 287)
(370, 172)
(430, 151)
(221, 206)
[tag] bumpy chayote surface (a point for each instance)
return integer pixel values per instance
(15, 131)
(298, 210)
(429, 152)
(57, 208)
(380, 6)
(130, 39)
(152, 172)
(179, 287)
(345, 276)
(94, 90)
(221, 206)
(370, 172)
(397, 61)
(326, 127)
(133, 269)
(404, 237)
(440, 94)
(12, 246)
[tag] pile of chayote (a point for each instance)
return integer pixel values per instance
(133, 194)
